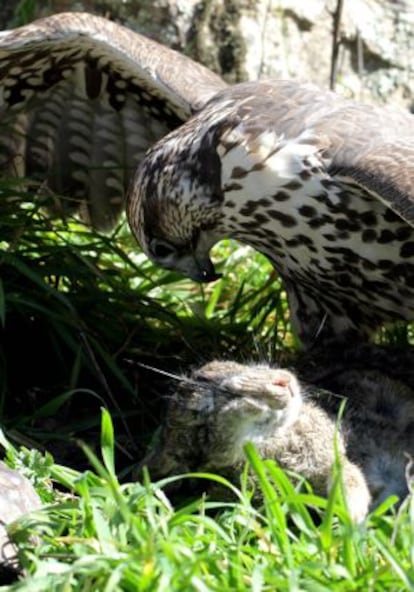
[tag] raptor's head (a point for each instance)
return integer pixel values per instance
(175, 202)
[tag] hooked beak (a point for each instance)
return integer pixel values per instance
(192, 261)
(202, 270)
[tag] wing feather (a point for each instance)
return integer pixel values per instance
(387, 172)
(370, 146)
(81, 100)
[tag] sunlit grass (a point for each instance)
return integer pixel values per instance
(105, 535)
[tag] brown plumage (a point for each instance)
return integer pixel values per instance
(321, 185)
(81, 100)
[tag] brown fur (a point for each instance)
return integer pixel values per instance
(225, 404)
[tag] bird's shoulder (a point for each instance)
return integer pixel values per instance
(354, 144)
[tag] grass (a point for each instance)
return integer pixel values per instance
(112, 536)
(87, 308)
(79, 311)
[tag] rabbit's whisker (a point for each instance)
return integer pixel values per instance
(164, 372)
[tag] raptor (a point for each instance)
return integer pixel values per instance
(323, 186)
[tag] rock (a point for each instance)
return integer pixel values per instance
(17, 498)
(250, 39)
(293, 39)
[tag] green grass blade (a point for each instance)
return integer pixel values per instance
(107, 441)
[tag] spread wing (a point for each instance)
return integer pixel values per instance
(364, 145)
(81, 100)
(387, 172)
(373, 148)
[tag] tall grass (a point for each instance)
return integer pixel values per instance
(79, 310)
(110, 536)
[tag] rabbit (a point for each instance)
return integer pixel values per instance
(225, 404)
(378, 428)
(378, 383)
(328, 367)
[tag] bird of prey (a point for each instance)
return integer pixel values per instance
(323, 186)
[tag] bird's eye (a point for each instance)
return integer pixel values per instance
(161, 249)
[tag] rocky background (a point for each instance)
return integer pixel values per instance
(362, 48)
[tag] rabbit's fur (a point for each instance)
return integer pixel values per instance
(223, 405)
